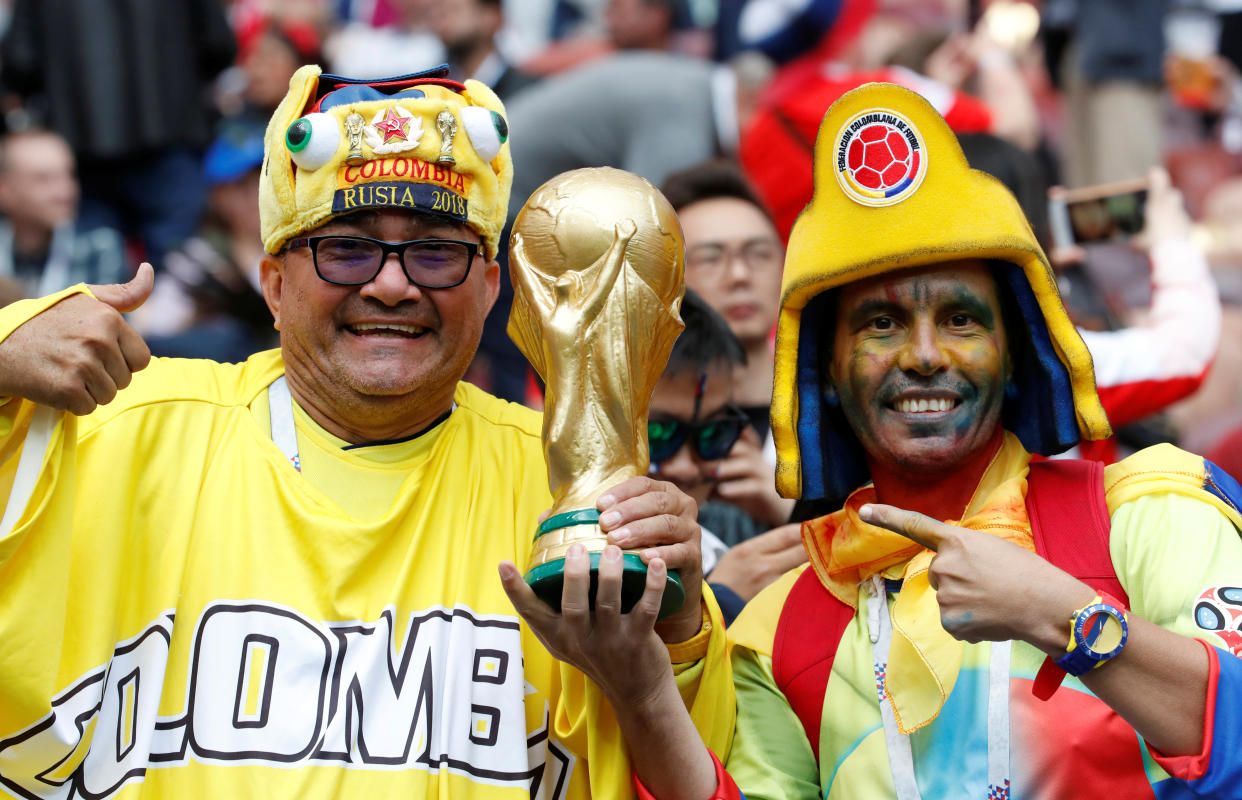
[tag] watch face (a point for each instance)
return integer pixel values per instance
(1101, 631)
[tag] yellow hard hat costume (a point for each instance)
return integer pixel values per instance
(894, 191)
(418, 142)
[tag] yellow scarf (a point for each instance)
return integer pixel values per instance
(924, 659)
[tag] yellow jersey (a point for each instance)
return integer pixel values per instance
(185, 615)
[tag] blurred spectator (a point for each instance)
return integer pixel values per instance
(361, 51)
(666, 26)
(1111, 69)
(206, 304)
(695, 429)
(786, 30)
(693, 422)
(648, 113)
(645, 112)
(125, 84)
(1159, 357)
(467, 29)
(645, 24)
(40, 246)
(1163, 355)
(734, 260)
(270, 51)
(792, 107)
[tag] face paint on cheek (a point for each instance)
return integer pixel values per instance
(983, 393)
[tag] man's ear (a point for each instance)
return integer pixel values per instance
(271, 278)
(491, 279)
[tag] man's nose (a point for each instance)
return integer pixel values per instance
(737, 267)
(391, 285)
(682, 467)
(923, 352)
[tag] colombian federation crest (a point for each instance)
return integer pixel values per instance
(880, 157)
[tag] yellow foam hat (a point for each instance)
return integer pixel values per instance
(893, 191)
(420, 142)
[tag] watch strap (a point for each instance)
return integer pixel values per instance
(1051, 672)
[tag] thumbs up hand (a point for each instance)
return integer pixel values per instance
(79, 353)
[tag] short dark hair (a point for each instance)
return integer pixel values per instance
(707, 341)
(709, 180)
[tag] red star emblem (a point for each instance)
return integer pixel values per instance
(394, 126)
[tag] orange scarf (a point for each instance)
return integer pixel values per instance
(845, 552)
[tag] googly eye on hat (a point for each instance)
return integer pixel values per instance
(487, 130)
(312, 140)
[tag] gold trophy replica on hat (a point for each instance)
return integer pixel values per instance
(597, 263)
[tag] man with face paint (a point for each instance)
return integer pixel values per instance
(974, 621)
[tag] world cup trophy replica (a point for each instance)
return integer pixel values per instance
(597, 263)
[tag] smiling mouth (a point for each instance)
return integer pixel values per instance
(924, 405)
(387, 329)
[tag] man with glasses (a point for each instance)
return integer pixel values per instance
(276, 578)
(733, 261)
(695, 430)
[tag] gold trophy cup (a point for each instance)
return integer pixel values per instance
(597, 263)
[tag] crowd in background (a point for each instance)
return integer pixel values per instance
(134, 131)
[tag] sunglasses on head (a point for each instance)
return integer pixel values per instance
(712, 439)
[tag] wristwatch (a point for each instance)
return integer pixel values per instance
(1098, 634)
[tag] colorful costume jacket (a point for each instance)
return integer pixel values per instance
(185, 615)
(1177, 552)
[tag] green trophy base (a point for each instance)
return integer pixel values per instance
(548, 579)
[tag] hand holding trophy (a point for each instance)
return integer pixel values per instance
(596, 259)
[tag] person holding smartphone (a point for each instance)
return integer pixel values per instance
(1159, 357)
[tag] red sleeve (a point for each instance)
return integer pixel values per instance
(968, 114)
(1189, 768)
(726, 789)
(1128, 402)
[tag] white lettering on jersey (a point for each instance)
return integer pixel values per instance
(268, 686)
(99, 732)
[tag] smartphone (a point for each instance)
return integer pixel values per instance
(1106, 212)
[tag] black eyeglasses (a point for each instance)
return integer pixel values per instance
(712, 439)
(356, 260)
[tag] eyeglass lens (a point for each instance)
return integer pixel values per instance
(429, 263)
(712, 440)
(754, 253)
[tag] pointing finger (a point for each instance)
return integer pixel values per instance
(919, 528)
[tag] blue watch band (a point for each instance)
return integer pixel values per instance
(1092, 642)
